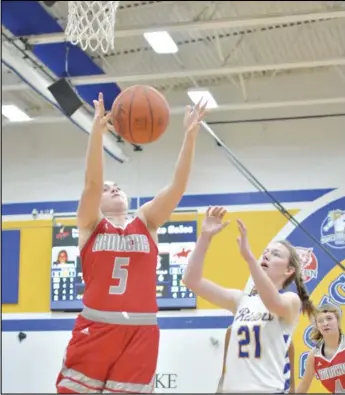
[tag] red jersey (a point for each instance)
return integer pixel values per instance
(331, 372)
(119, 268)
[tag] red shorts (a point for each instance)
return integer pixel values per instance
(109, 358)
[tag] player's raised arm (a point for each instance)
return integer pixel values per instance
(88, 213)
(308, 376)
(158, 211)
(287, 306)
(193, 279)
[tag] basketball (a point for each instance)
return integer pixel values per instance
(140, 114)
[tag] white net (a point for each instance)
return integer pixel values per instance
(91, 24)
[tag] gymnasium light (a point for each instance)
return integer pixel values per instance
(161, 42)
(197, 95)
(14, 114)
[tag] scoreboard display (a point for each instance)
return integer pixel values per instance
(176, 241)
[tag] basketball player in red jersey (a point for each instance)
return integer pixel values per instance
(114, 344)
(327, 359)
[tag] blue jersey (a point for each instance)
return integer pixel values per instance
(257, 359)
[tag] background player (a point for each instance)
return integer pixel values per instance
(327, 359)
(226, 346)
(264, 320)
(114, 345)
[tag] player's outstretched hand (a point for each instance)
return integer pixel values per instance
(100, 119)
(243, 242)
(194, 116)
(213, 222)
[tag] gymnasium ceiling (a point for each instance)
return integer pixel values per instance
(245, 53)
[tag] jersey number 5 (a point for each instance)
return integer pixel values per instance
(120, 273)
(247, 337)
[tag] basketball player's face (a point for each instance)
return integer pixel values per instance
(113, 200)
(327, 324)
(275, 262)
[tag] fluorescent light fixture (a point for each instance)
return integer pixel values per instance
(197, 95)
(14, 114)
(161, 42)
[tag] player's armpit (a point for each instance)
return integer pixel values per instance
(308, 376)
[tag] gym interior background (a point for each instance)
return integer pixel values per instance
(276, 71)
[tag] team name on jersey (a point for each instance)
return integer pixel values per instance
(331, 372)
(247, 315)
(121, 243)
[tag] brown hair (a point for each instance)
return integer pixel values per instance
(294, 261)
(326, 308)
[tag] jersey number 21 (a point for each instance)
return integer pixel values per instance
(248, 336)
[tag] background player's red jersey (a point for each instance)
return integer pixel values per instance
(119, 268)
(331, 372)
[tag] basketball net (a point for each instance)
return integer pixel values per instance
(91, 24)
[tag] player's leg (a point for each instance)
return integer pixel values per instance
(85, 363)
(64, 387)
(134, 371)
(75, 381)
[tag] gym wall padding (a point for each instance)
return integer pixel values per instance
(10, 245)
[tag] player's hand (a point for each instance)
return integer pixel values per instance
(193, 117)
(213, 221)
(100, 119)
(243, 242)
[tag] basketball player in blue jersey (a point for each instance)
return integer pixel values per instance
(264, 319)
(289, 370)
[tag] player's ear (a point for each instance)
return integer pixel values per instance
(290, 271)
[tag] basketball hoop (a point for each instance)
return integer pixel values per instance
(91, 24)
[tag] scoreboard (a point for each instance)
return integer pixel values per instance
(176, 241)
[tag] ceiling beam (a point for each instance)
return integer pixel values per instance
(37, 121)
(221, 108)
(268, 105)
(104, 79)
(133, 31)
(15, 87)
